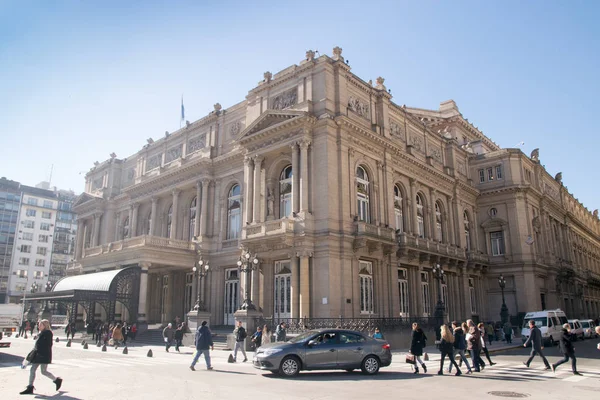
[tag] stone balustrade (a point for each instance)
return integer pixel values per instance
(138, 241)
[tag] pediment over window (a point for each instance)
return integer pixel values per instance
(85, 198)
(271, 119)
(494, 223)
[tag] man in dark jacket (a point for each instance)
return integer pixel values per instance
(203, 343)
(474, 346)
(535, 338)
(280, 332)
(240, 337)
(566, 347)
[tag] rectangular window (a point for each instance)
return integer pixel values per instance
(27, 236)
(425, 294)
(403, 291)
(25, 248)
(48, 204)
(189, 284)
(30, 212)
(41, 238)
(21, 273)
(44, 226)
(32, 201)
(23, 261)
(38, 274)
(40, 262)
(472, 296)
(46, 214)
(497, 240)
(490, 174)
(29, 224)
(366, 287)
(42, 251)
(498, 171)
(481, 176)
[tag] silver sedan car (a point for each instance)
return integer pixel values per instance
(324, 349)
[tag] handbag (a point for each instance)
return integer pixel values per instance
(410, 359)
(31, 356)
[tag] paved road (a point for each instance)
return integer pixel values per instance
(91, 374)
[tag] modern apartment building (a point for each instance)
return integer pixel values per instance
(10, 204)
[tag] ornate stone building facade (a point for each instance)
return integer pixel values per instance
(348, 201)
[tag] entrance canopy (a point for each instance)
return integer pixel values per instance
(105, 288)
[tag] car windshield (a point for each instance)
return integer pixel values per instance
(585, 324)
(539, 322)
(302, 337)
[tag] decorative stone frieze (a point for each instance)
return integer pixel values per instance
(153, 162)
(285, 100)
(359, 106)
(196, 143)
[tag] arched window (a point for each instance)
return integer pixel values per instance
(467, 228)
(438, 222)
(126, 228)
(169, 220)
(420, 216)
(192, 226)
(234, 212)
(285, 192)
(362, 194)
(398, 209)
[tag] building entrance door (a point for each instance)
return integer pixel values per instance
(232, 290)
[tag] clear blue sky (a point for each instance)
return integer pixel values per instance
(81, 79)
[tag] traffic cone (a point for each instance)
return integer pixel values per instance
(104, 347)
(57, 340)
(98, 344)
(125, 351)
(425, 356)
(85, 346)
(83, 342)
(69, 343)
(149, 353)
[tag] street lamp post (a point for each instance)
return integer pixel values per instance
(200, 272)
(440, 309)
(247, 263)
(504, 308)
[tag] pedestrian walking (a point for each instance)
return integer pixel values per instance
(535, 338)
(474, 346)
(117, 335)
(133, 331)
(482, 328)
(240, 337)
(460, 345)
(447, 349)
(377, 334)
(203, 342)
(266, 336)
(489, 330)
(280, 333)
(168, 335)
(417, 344)
(567, 349)
(507, 333)
(41, 356)
(179, 336)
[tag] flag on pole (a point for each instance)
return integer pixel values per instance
(182, 109)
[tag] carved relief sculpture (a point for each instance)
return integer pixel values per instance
(359, 107)
(416, 142)
(461, 168)
(285, 99)
(173, 154)
(197, 143)
(535, 155)
(270, 201)
(310, 55)
(154, 161)
(97, 183)
(130, 175)
(235, 128)
(396, 129)
(437, 155)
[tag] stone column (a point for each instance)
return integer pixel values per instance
(153, 217)
(413, 202)
(134, 218)
(295, 178)
(295, 288)
(143, 304)
(451, 223)
(257, 188)
(199, 203)
(382, 195)
(466, 293)
(79, 239)
(249, 183)
(304, 176)
(254, 288)
(96, 229)
(475, 230)
(203, 216)
(431, 208)
(305, 286)
(174, 215)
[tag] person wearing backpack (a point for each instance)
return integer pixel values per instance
(240, 337)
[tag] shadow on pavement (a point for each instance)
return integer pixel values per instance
(58, 395)
(350, 376)
(231, 372)
(9, 360)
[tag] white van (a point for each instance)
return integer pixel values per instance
(549, 322)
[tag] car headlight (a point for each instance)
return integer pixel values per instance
(270, 352)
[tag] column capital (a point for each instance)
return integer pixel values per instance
(294, 145)
(248, 161)
(98, 214)
(175, 192)
(135, 205)
(380, 164)
(154, 199)
(304, 143)
(145, 265)
(413, 182)
(258, 159)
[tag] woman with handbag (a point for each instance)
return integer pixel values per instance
(41, 355)
(418, 342)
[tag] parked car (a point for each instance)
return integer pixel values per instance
(549, 322)
(576, 329)
(324, 349)
(589, 328)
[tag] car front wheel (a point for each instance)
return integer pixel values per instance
(290, 366)
(370, 365)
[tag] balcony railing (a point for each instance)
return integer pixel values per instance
(431, 246)
(363, 228)
(268, 228)
(138, 241)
